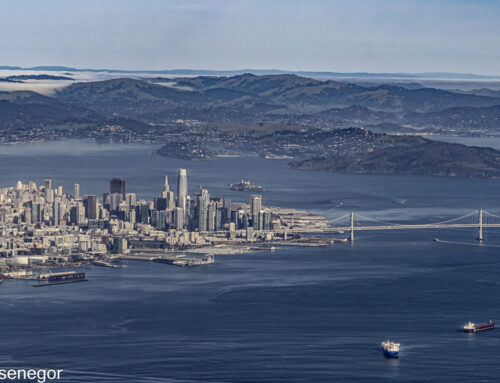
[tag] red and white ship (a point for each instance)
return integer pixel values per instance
(472, 327)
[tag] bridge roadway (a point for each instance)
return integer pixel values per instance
(394, 227)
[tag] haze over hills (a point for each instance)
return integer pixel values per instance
(211, 72)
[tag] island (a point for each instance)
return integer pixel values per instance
(246, 186)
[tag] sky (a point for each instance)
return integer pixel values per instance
(411, 36)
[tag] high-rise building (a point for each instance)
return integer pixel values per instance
(166, 187)
(204, 200)
(170, 200)
(91, 207)
(119, 245)
(47, 185)
(218, 219)
(49, 194)
(255, 204)
(117, 185)
(77, 191)
(144, 213)
(182, 190)
(77, 214)
(210, 217)
(131, 200)
(36, 212)
(27, 215)
(160, 203)
(226, 212)
(178, 218)
(266, 220)
(114, 201)
(56, 213)
(256, 221)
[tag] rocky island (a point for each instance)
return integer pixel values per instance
(245, 186)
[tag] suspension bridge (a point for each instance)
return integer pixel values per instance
(479, 220)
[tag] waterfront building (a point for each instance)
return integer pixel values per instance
(249, 234)
(266, 220)
(119, 245)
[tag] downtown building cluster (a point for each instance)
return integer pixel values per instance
(42, 219)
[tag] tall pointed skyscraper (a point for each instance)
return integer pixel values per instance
(182, 190)
(166, 187)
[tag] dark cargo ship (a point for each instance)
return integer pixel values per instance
(50, 279)
(471, 327)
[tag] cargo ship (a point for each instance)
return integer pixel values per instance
(391, 349)
(471, 327)
(49, 279)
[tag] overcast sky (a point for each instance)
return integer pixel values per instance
(341, 36)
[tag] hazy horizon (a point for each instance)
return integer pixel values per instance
(452, 36)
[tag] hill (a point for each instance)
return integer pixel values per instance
(420, 158)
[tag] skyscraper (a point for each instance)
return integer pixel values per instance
(204, 200)
(255, 204)
(182, 190)
(178, 218)
(117, 185)
(77, 191)
(166, 188)
(47, 184)
(210, 217)
(91, 207)
(56, 213)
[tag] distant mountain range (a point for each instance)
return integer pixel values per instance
(209, 72)
(247, 98)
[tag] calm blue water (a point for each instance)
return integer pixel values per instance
(294, 315)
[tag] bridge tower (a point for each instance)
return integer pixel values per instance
(480, 234)
(351, 232)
